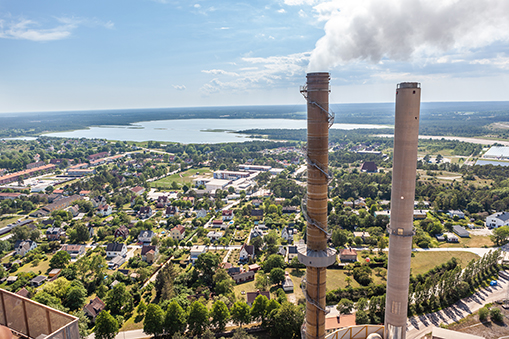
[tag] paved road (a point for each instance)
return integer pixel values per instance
(418, 326)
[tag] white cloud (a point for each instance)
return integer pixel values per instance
(282, 10)
(197, 6)
(269, 71)
(302, 14)
(179, 87)
(225, 28)
(299, 2)
(420, 30)
(219, 71)
(26, 29)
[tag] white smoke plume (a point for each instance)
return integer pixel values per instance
(404, 30)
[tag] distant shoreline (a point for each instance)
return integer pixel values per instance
(473, 140)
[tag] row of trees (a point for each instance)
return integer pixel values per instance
(281, 320)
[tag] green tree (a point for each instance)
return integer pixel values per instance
(500, 235)
(339, 237)
(259, 308)
(285, 322)
(223, 283)
(261, 281)
(272, 262)
(241, 333)
(496, 315)
(483, 313)
(117, 298)
(207, 263)
(60, 259)
(79, 234)
(240, 313)
(106, 327)
(198, 317)
(175, 319)
(164, 282)
(220, 315)
(361, 317)
(345, 306)
(142, 308)
(277, 275)
(271, 306)
(76, 295)
(153, 323)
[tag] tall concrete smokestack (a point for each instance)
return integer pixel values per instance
(315, 255)
(401, 231)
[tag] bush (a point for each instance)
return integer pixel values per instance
(483, 314)
(496, 315)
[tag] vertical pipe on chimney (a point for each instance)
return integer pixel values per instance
(406, 133)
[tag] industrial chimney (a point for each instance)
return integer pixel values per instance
(401, 231)
(316, 255)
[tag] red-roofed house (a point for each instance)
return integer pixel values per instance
(138, 190)
(227, 215)
(122, 231)
(333, 324)
(347, 254)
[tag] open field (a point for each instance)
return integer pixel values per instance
(422, 262)
(43, 266)
(182, 178)
(4, 221)
(473, 241)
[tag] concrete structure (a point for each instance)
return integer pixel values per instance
(401, 230)
(442, 333)
(316, 255)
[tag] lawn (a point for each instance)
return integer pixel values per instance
(244, 287)
(474, 241)
(4, 221)
(181, 178)
(43, 266)
(422, 262)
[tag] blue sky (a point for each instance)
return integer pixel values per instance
(78, 55)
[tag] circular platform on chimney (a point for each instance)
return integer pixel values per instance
(312, 258)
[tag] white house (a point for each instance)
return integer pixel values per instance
(201, 213)
(213, 235)
(104, 210)
(287, 234)
(116, 249)
(456, 213)
(145, 237)
(22, 247)
(497, 220)
(246, 252)
(292, 252)
(196, 251)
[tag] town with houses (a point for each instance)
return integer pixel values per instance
(91, 227)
